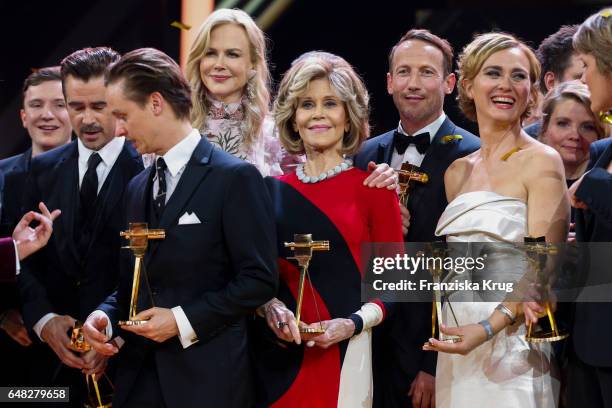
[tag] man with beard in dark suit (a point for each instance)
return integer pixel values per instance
(86, 179)
(216, 265)
(420, 76)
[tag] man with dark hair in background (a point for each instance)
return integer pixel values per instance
(560, 63)
(216, 265)
(85, 179)
(420, 76)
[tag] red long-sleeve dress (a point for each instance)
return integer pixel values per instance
(347, 214)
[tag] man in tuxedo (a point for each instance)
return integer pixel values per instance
(590, 368)
(420, 76)
(216, 265)
(86, 180)
(45, 118)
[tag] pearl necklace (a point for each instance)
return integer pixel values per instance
(347, 164)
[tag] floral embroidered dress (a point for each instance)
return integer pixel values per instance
(225, 127)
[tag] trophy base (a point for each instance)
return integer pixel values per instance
(546, 337)
(307, 333)
(131, 322)
(450, 340)
(312, 330)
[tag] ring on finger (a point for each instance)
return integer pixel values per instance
(280, 324)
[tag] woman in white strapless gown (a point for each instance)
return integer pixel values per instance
(512, 187)
(506, 371)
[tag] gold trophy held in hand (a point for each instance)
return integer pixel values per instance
(139, 235)
(96, 398)
(538, 253)
(407, 176)
(438, 250)
(303, 247)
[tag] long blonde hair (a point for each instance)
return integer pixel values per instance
(256, 95)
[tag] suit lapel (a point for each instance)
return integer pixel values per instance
(604, 159)
(115, 181)
(195, 172)
(68, 197)
(384, 151)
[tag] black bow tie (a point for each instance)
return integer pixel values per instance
(402, 141)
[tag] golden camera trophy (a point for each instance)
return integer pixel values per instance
(95, 397)
(139, 235)
(407, 176)
(437, 250)
(538, 251)
(302, 247)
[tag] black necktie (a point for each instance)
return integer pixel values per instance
(89, 187)
(402, 141)
(159, 201)
(87, 203)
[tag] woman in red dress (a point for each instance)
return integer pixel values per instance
(322, 111)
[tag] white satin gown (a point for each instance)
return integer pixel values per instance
(505, 371)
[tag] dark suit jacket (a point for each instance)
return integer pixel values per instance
(534, 129)
(15, 171)
(7, 260)
(218, 271)
(592, 320)
(58, 278)
(398, 356)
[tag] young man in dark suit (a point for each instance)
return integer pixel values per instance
(86, 179)
(216, 265)
(420, 76)
(46, 120)
(589, 367)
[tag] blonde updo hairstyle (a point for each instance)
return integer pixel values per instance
(473, 57)
(343, 80)
(256, 98)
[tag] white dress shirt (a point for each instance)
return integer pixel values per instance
(176, 160)
(412, 155)
(17, 264)
(109, 154)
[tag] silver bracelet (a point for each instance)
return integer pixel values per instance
(487, 326)
(504, 310)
